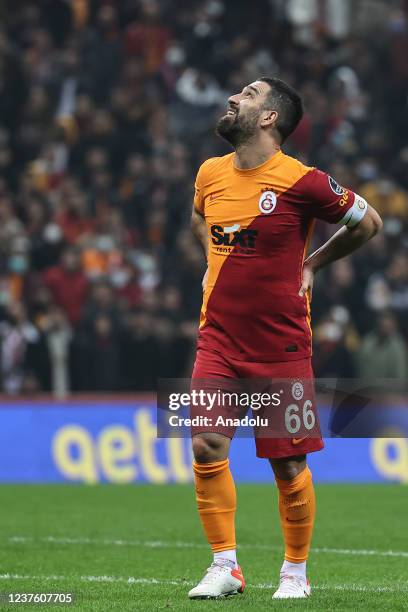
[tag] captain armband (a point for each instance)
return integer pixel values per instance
(354, 215)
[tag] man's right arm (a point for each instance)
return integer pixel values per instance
(199, 229)
(198, 224)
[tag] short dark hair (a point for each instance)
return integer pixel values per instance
(287, 102)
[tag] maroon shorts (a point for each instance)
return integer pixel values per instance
(292, 427)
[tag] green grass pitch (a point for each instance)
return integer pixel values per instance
(141, 547)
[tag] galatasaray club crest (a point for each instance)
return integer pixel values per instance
(267, 202)
(297, 390)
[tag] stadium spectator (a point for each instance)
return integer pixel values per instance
(383, 353)
(25, 361)
(58, 333)
(389, 289)
(139, 350)
(101, 356)
(68, 284)
(333, 341)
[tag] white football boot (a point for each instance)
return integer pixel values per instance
(292, 587)
(221, 580)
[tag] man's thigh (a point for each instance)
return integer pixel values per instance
(216, 384)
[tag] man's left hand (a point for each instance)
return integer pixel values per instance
(307, 280)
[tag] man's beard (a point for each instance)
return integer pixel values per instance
(237, 130)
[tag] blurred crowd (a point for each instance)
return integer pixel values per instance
(107, 109)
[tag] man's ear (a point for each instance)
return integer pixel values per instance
(269, 118)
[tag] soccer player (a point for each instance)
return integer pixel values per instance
(253, 212)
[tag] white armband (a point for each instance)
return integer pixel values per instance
(354, 215)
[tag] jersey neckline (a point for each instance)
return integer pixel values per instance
(272, 162)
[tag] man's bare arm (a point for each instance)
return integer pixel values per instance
(199, 229)
(341, 244)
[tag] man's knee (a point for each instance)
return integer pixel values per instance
(289, 467)
(208, 448)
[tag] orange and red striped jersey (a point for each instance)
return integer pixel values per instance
(259, 224)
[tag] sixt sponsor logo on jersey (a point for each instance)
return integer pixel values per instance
(224, 238)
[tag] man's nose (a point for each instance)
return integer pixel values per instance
(233, 100)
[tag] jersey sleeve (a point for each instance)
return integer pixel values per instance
(203, 179)
(331, 202)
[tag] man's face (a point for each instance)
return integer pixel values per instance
(387, 326)
(70, 260)
(245, 111)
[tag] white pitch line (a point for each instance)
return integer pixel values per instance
(177, 544)
(352, 551)
(158, 582)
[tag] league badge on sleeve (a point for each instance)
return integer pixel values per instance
(335, 187)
